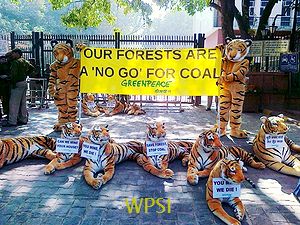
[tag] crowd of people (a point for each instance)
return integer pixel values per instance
(14, 70)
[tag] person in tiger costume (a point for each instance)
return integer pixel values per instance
(15, 149)
(110, 153)
(70, 130)
(279, 158)
(63, 83)
(208, 150)
(232, 172)
(89, 107)
(114, 106)
(232, 84)
(158, 165)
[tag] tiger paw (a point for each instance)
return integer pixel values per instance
(167, 173)
(192, 179)
(57, 127)
(238, 133)
(239, 215)
(49, 169)
(185, 161)
(259, 165)
(97, 183)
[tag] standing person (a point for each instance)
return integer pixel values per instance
(35, 86)
(19, 69)
(4, 85)
(209, 102)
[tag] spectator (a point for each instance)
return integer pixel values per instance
(46, 76)
(19, 69)
(35, 86)
(4, 85)
(209, 102)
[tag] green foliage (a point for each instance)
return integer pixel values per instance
(190, 6)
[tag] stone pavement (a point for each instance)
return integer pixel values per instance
(30, 197)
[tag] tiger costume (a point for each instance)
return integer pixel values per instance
(232, 84)
(231, 171)
(208, 150)
(64, 82)
(279, 159)
(158, 165)
(89, 107)
(114, 106)
(110, 153)
(70, 130)
(15, 149)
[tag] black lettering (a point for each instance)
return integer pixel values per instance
(212, 53)
(83, 71)
(88, 53)
(206, 73)
(181, 73)
(176, 54)
(195, 73)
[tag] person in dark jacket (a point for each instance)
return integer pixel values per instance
(19, 69)
(4, 85)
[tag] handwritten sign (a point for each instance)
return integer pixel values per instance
(156, 148)
(90, 151)
(67, 145)
(91, 105)
(274, 141)
(111, 104)
(225, 189)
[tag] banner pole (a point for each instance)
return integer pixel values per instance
(218, 116)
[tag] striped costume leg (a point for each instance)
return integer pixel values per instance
(225, 104)
(61, 103)
(236, 110)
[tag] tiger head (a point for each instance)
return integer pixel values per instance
(99, 134)
(274, 124)
(231, 170)
(156, 131)
(236, 50)
(62, 52)
(209, 141)
(89, 97)
(71, 130)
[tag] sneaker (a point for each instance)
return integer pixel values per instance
(8, 125)
(21, 123)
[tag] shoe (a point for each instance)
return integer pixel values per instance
(21, 123)
(9, 125)
(207, 109)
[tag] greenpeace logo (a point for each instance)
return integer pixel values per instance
(138, 205)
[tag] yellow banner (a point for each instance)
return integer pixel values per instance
(177, 72)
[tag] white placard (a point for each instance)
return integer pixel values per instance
(111, 104)
(90, 151)
(274, 141)
(225, 189)
(156, 148)
(64, 145)
(91, 105)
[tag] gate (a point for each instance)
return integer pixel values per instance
(37, 45)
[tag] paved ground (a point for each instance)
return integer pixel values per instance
(30, 197)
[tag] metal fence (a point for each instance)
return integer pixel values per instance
(37, 45)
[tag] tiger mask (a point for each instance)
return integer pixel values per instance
(99, 135)
(231, 171)
(156, 131)
(277, 158)
(70, 130)
(62, 52)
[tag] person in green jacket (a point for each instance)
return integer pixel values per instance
(19, 70)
